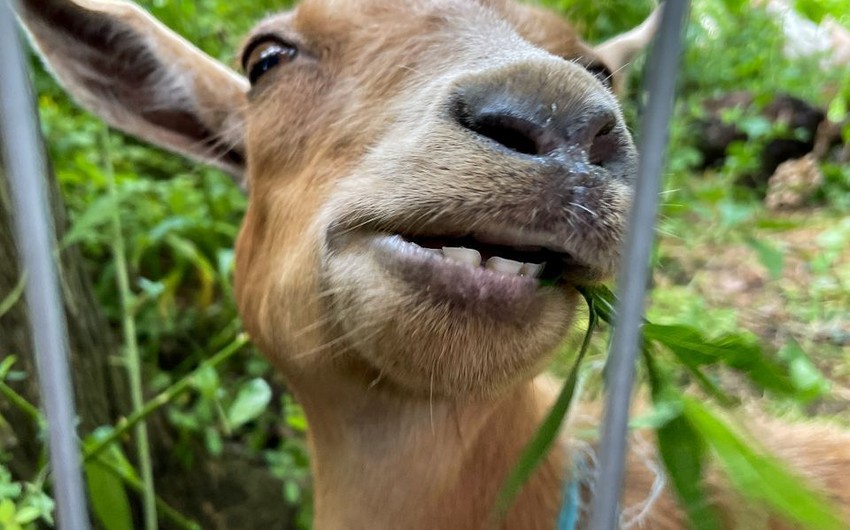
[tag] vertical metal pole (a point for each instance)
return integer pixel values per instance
(634, 269)
(25, 164)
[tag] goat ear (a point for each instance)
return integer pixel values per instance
(619, 51)
(139, 76)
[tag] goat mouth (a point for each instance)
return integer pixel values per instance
(504, 281)
(532, 262)
(517, 281)
(477, 264)
(497, 273)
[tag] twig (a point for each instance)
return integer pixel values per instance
(163, 398)
(25, 406)
(15, 295)
(131, 346)
(164, 508)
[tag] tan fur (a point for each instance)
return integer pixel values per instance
(419, 400)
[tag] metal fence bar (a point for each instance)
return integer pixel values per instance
(660, 82)
(25, 164)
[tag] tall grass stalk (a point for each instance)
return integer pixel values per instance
(131, 346)
(168, 513)
(536, 449)
(17, 293)
(163, 398)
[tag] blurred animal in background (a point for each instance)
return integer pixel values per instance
(788, 128)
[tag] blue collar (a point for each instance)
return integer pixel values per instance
(570, 513)
(568, 518)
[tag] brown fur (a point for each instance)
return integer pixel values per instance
(420, 394)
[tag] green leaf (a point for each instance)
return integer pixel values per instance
(14, 295)
(188, 250)
(683, 452)
(250, 402)
(291, 492)
(681, 447)
(225, 259)
(41, 502)
(108, 497)
(113, 454)
(604, 301)
(295, 417)
(6, 365)
(837, 110)
(207, 382)
(734, 213)
(213, 441)
(98, 214)
(778, 225)
(809, 381)
(734, 6)
(733, 350)
(540, 444)
(769, 256)
(761, 477)
(662, 413)
(27, 514)
(755, 126)
(8, 514)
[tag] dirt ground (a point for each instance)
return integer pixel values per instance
(806, 297)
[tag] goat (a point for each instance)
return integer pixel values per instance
(412, 169)
(714, 135)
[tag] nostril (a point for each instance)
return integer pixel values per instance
(520, 126)
(516, 134)
(606, 128)
(605, 143)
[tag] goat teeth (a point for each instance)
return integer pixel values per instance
(505, 266)
(532, 269)
(469, 256)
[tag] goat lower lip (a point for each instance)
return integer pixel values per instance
(379, 261)
(446, 280)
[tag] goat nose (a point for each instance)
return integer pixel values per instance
(529, 126)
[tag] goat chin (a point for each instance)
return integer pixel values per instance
(412, 169)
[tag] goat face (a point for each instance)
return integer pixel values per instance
(375, 133)
(392, 128)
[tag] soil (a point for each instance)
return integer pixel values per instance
(807, 300)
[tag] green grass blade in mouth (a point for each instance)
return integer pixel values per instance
(542, 441)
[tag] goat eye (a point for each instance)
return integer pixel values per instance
(263, 55)
(601, 72)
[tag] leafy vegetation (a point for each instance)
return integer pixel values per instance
(740, 293)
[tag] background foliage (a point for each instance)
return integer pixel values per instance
(776, 284)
